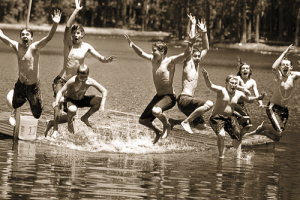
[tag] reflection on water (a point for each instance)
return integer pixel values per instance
(37, 171)
(85, 167)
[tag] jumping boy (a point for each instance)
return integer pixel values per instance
(28, 52)
(277, 109)
(163, 69)
(192, 107)
(221, 119)
(75, 51)
(74, 97)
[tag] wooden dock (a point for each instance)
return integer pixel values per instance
(120, 120)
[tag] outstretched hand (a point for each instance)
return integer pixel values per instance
(205, 73)
(262, 96)
(202, 25)
(56, 17)
(128, 39)
(192, 19)
(111, 58)
(77, 3)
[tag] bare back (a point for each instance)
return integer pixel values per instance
(163, 74)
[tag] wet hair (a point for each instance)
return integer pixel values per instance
(83, 69)
(79, 27)
(286, 58)
(27, 29)
(195, 49)
(240, 64)
(161, 46)
(229, 77)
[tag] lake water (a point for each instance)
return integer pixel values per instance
(45, 169)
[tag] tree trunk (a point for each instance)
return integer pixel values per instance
(208, 19)
(297, 29)
(280, 21)
(105, 13)
(257, 21)
(117, 25)
(244, 23)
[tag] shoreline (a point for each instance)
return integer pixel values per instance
(159, 35)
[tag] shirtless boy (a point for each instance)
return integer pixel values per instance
(163, 69)
(193, 107)
(221, 119)
(75, 51)
(246, 83)
(74, 93)
(28, 52)
(277, 110)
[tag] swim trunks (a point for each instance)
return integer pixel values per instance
(165, 102)
(188, 104)
(230, 125)
(32, 93)
(278, 116)
(241, 111)
(57, 84)
(84, 102)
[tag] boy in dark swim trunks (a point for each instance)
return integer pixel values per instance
(28, 53)
(193, 107)
(277, 109)
(163, 74)
(222, 119)
(75, 51)
(74, 91)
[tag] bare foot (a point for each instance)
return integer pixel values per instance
(186, 127)
(49, 125)
(166, 131)
(70, 126)
(156, 138)
(54, 135)
(87, 122)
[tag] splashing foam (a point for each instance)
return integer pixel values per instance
(110, 138)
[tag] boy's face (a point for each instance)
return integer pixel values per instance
(285, 67)
(156, 52)
(82, 77)
(76, 36)
(231, 85)
(26, 37)
(196, 57)
(245, 71)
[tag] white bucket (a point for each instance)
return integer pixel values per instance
(28, 127)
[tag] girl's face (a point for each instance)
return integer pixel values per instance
(245, 71)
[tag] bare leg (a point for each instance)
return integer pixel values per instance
(266, 130)
(166, 124)
(85, 117)
(153, 126)
(174, 122)
(199, 111)
(238, 146)
(221, 145)
(50, 124)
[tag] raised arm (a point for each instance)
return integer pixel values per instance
(209, 84)
(255, 90)
(70, 22)
(98, 56)
(45, 40)
(138, 50)
(205, 43)
(101, 89)
(278, 61)
(7, 41)
(192, 33)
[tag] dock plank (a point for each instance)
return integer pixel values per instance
(122, 120)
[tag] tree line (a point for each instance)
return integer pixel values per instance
(240, 21)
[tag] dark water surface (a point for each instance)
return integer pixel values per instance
(37, 170)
